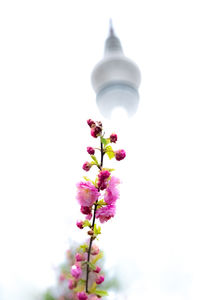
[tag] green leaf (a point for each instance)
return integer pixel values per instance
(108, 169)
(97, 257)
(82, 281)
(105, 142)
(84, 247)
(88, 179)
(101, 203)
(93, 288)
(96, 181)
(91, 265)
(97, 230)
(79, 288)
(86, 223)
(101, 293)
(110, 152)
(94, 159)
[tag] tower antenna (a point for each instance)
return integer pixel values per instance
(111, 27)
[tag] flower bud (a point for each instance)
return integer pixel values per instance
(79, 257)
(90, 232)
(90, 122)
(97, 270)
(120, 154)
(100, 279)
(90, 150)
(96, 131)
(85, 210)
(95, 250)
(102, 185)
(71, 284)
(82, 296)
(104, 174)
(113, 138)
(86, 166)
(79, 224)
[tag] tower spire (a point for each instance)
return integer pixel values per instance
(112, 44)
(111, 31)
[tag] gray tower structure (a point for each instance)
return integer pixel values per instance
(116, 79)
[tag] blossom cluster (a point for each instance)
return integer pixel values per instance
(97, 199)
(66, 285)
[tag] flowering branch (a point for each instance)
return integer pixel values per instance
(92, 227)
(100, 197)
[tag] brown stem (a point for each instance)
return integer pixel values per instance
(92, 227)
(102, 154)
(89, 250)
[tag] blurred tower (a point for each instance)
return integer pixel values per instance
(116, 79)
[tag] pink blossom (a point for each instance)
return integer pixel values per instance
(76, 271)
(90, 150)
(86, 166)
(82, 296)
(95, 249)
(105, 213)
(71, 284)
(89, 216)
(112, 193)
(100, 279)
(79, 224)
(120, 154)
(79, 257)
(113, 138)
(87, 193)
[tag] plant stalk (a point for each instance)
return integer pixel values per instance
(92, 227)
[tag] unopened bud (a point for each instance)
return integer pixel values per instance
(90, 150)
(113, 138)
(91, 122)
(79, 224)
(86, 166)
(120, 154)
(90, 232)
(100, 279)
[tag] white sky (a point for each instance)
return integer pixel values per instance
(47, 52)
